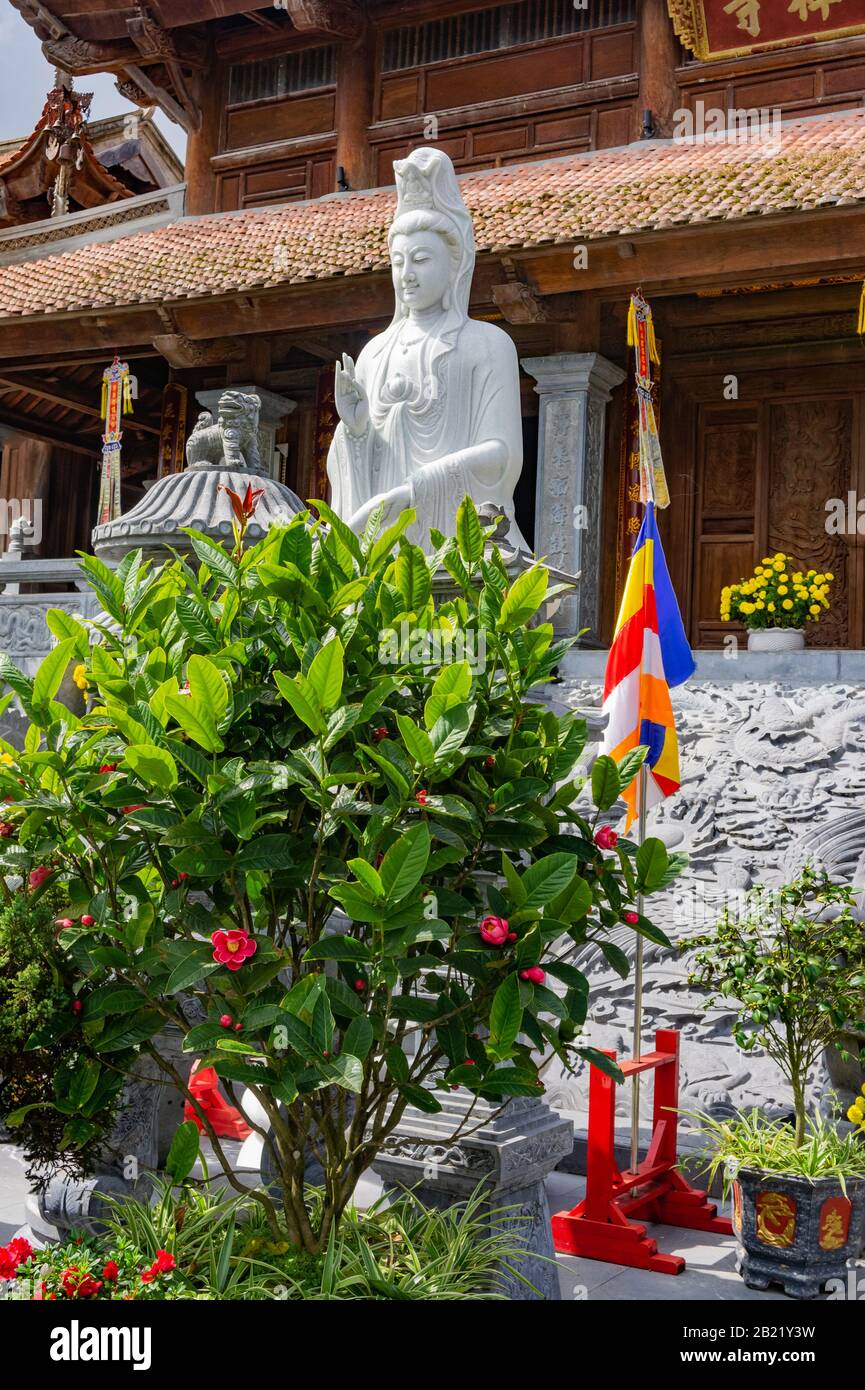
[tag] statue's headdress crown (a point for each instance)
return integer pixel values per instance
(414, 187)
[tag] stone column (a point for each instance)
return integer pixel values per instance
(574, 388)
(511, 1148)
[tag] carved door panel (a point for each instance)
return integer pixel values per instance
(729, 499)
(811, 461)
(765, 472)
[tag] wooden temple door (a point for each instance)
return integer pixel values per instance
(764, 473)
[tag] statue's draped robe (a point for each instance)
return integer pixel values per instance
(469, 394)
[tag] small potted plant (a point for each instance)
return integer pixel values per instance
(791, 967)
(776, 603)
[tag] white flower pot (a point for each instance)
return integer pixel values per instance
(776, 639)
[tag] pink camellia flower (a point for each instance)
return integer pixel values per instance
(632, 918)
(606, 837)
(38, 876)
(495, 930)
(232, 948)
(534, 975)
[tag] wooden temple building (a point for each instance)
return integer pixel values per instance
(712, 153)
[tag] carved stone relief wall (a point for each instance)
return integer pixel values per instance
(773, 774)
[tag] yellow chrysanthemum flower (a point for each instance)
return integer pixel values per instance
(770, 607)
(788, 604)
(782, 588)
(815, 608)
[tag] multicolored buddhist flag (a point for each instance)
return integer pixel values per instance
(649, 656)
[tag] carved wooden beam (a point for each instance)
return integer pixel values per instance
(180, 351)
(340, 17)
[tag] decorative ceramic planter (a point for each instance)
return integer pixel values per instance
(796, 1232)
(776, 639)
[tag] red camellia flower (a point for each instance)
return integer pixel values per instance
(495, 930)
(226, 1021)
(87, 920)
(534, 974)
(360, 985)
(632, 918)
(6, 829)
(38, 876)
(232, 948)
(421, 797)
(606, 837)
(380, 734)
(77, 1006)
(110, 1272)
(108, 767)
(490, 760)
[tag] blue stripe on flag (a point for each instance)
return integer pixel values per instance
(652, 736)
(676, 654)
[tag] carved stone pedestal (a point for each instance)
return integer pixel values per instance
(511, 1148)
(150, 1110)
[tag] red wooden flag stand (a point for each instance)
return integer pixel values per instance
(600, 1228)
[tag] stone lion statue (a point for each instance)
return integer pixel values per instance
(232, 442)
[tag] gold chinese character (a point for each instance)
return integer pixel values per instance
(634, 492)
(832, 1233)
(748, 13)
(805, 7)
(633, 525)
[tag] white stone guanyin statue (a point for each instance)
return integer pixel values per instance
(431, 410)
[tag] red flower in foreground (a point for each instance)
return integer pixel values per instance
(12, 1255)
(232, 948)
(77, 1006)
(632, 918)
(7, 828)
(421, 797)
(380, 734)
(110, 1272)
(163, 1264)
(495, 930)
(243, 507)
(38, 876)
(108, 767)
(77, 1284)
(606, 837)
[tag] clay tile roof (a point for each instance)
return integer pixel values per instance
(811, 163)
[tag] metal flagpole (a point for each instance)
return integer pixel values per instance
(638, 984)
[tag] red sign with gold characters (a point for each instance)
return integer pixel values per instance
(727, 28)
(835, 1216)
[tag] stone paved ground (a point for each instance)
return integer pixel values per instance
(710, 1274)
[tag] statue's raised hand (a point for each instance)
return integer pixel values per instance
(352, 402)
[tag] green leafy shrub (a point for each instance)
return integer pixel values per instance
(771, 1146)
(258, 752)
(41, 1045)
(793, 966)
